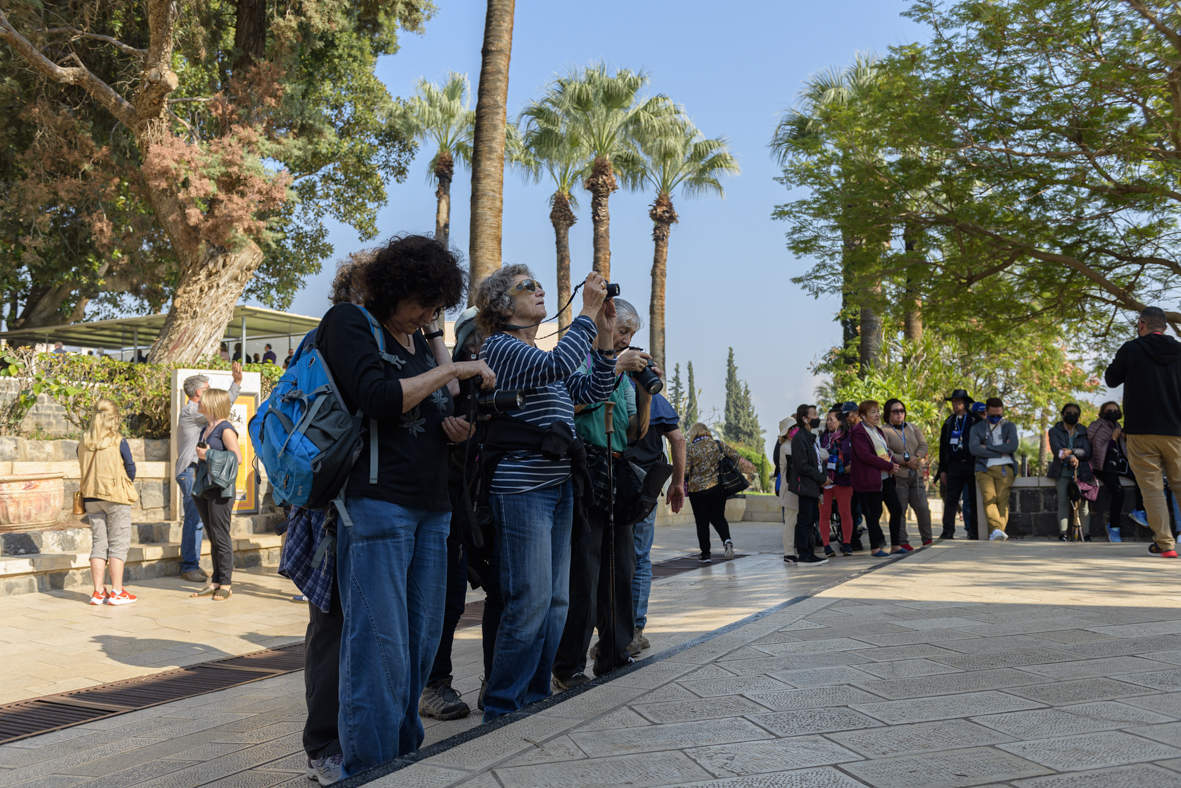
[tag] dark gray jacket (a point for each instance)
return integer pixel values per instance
(983, 451)
(1059, 440)
(806, 476)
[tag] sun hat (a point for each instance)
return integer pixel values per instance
(465, 325)
(785, 425)
(960, 394)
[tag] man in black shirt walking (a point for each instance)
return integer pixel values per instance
(1149, 369)
(956, 465)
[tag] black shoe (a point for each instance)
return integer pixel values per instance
(813, 561)
(561, 685)
(1063, 538)
(194, 576)
(946, 535)
(705, 559)
(480, 697)
(790, 560)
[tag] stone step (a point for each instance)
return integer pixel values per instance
(71, 569)
(75, 535)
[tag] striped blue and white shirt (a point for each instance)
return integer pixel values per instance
(553, 385)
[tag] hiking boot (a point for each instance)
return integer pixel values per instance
(325, 770)
(634, 648)
(442, 702)
(561, 685)
(194, 576)
(643, 641)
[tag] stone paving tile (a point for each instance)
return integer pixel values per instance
(53, 781)
(1138, 776)
(812, 697)
(1163, 680)
(137, 774)
(653, 676)
(1008, 659)
(669, 692)
(738, 685)
(1060, 693)
(1137, 630)
(707, 672)
(417, 775)
(1166, 733)
(1124, 646)
(915, 651)
(594, 702)
(951, 622)
(916, 636)
(1172, 763)
(296, 762)
(906, 668)
(758, 757)
(1105, 666)
(492, 748)
(808, 721)
(1001, 643)
(620, 718)
(854, 631)
(918, 738)
(43, 769)
(650, 769)
(819, 677)
(897, 689)
(1074, 636)
(953, 769)
(769, 665)
(823, 777)
(812, 646)
(560, 749)
(1091, 750)
(603, 742)
(1169, 703)
(251, 779)
(1172, 657)
(1084, 718)
(802, 624)
(258, 735)
(700, 709)
(945, 707)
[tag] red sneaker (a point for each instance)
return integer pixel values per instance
(121, 598)
(927, 542)
(99, 597)
(1153, 548)
(906, 548)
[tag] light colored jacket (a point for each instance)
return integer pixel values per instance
(983, 450)
(103, 475)
(915, 443)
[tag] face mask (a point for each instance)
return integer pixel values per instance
(1111, 415)
(814, 423)
(994, 419)
(1070, 418)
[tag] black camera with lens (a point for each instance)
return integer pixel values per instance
(906, 456)
(646, 378)
(612, 290)
(491, 402)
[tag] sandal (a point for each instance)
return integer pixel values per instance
(206, 591)
(222, 594)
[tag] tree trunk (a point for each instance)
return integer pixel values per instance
(250, 33)
(210, 286)
(600, 184)
(562, 218)
(912, 321)
(488, 142)
(663, 216)
(871, 330)
(444, 170)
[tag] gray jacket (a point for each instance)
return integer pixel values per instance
(189, 425)
(983, 451)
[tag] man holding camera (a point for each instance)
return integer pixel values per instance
(591, 551)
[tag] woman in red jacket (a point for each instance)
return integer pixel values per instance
(872, 465)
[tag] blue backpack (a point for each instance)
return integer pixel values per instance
(304, 434)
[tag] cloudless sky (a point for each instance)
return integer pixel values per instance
(733, 66)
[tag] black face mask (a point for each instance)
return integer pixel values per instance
(1111, 415)
(814, 423)
(1070, 418)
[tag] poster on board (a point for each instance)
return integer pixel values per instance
(246, 490)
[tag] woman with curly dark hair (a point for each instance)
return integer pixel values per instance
(392, 560)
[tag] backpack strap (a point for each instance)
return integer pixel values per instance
(398, 364)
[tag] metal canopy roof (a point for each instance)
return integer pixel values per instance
(126, 332)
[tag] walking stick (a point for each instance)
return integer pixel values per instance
(609, 428)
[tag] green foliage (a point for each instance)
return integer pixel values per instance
(759, 465)
(742, 423)
(692, 414)
(77, 382)
(440, 115)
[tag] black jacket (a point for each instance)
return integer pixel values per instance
(1059, 440)
(1149, 369)
(948, 456)
(806, 476)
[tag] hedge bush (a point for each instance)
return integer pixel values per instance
(77, 382)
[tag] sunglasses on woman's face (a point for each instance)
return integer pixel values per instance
(898, 410)
(530, 285)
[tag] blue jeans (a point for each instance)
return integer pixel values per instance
(391, 569)
(643, 532)
(533, 529)
(192, 530)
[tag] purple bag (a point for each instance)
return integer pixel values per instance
(1088, 490)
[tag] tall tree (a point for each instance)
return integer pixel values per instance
(692, 413)
(676, 156)
(742, 424)
(194, 149)
(560, 153)
(439, 115)
(605, 110)
(489, 141)
(676, 390)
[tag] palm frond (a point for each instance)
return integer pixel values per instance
(442, 116)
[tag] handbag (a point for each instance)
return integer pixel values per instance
(731, 479)
(79, 504)
(1088, 490)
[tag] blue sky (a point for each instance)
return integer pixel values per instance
(733, 67)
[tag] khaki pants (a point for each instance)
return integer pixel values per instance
(1151, 457)
(994, 487)
(790, 513)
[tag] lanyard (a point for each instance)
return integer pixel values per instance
(901, 433)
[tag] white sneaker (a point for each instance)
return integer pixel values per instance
(325, 770)
(998, 534)
(729, 550)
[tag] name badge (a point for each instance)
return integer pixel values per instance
(832, 465)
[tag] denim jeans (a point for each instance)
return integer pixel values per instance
(192, 530)
(643, 533)
(533, 529)
(391, 571)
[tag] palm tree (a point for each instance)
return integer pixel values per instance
(489, 142)
(606, 112)
(560, 154)
(796, 128)
(439, 115)
(677, 157)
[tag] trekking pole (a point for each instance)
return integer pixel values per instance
(609, 428)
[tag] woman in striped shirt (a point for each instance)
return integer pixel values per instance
(532, 498)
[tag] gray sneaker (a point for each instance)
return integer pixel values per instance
(634, 648)
(561, 685)
(729, 550)
(325, 770)
(643, 641)
(194, 576)
(442, 703)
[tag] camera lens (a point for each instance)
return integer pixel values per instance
(612, 290)
(649, 380)
(500, 401)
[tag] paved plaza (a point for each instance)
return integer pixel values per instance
(1031, 664)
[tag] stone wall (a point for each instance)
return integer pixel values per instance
(1033, 512)
(47, 418)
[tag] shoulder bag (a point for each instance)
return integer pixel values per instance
(731, 479)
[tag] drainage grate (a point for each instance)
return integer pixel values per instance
(54, 712)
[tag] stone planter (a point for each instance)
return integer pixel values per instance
(735, 509)
(30, 501)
